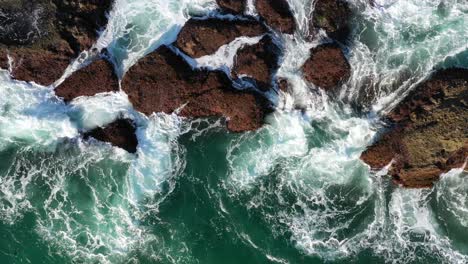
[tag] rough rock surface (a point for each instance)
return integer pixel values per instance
(98, 77)
(42, 36)
(204, 37)
(332, 16)
(120, 133)
(277, 14)
(327, 67)
(232, 6)
(258, 62)
(165, 82)
(429, 134)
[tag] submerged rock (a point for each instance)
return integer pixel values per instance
(43, 36)
(232, 6)
(98, 77)
(204, 37)
(120, 133)
(258, 62)
(333, 17)
(164, 82)
(429, 134)
(277, 14)
(327, 67)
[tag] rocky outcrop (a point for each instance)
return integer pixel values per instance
(42, 36)
(258, 63)
(204, 37)
(232, 6)
(327, 67)
(120, 133)
(277, 14)
(428, 133)
(332, 16)
(98, 77)
(165, 82)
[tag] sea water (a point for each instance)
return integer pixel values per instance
(294, 191)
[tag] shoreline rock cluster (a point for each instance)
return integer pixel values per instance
(43, 36)
(428, 133)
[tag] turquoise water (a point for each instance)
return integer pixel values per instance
(294, 191)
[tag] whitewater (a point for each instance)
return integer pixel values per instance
(294, 191)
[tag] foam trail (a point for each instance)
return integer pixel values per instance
(30, 114)
(137, 27)
(399, 43)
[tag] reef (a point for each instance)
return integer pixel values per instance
(427, 133)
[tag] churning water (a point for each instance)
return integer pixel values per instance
(295, 191)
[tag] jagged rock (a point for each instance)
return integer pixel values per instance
(327, 67)
(277, 14)
(232, 6)
(120, 133)
(333, 16)
(98, 77)
(258, 62)
(429, 134)
(43, 36)
(204, 37)
(165, 82)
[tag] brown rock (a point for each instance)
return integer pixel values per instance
(164, 82)
(98, 77)
(327, 67)
(333, 16)
(232, 6)
(259, 62)
(277, 14)
(204, 37)
(429, 135)
(120, 133)
(43, 36)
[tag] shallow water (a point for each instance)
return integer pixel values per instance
(294, 191)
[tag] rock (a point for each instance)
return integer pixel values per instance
(258, 62)
(232, 6)
(429, 134)
(98, 77)
(120, 133)
(204, 37)
(165, 82)
(327, 67)
(332, 16)
(43, 36)
(277, 14)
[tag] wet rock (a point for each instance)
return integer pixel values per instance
(120, 133)
(43, 36)
(277, 14)
(327, 67)
(428, 133)
(332, 16)
(258, 62)
(165, 82)
(232, 6)
(204, 37)
(98, 77)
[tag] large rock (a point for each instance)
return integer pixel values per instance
(277, 14)
(327, 67)
(165, 82)
(120, 133)
(98, 77)
(258, 62)
(43, 36)
(333, 16)
(204, 37)
(232, 6)
(429, 134)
